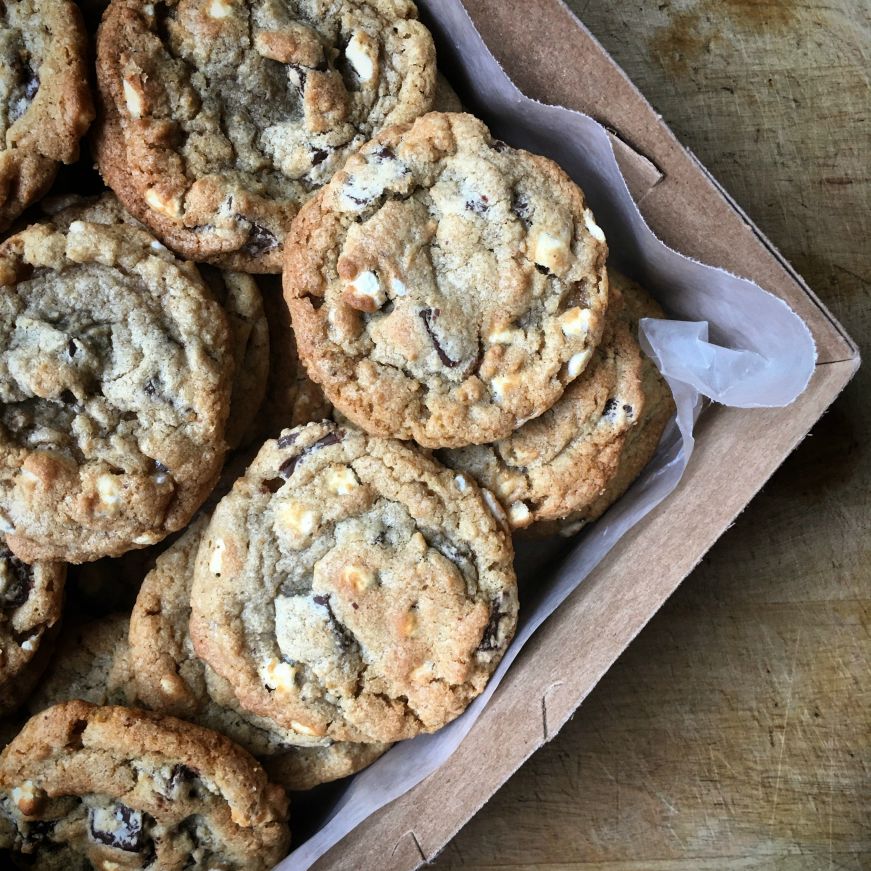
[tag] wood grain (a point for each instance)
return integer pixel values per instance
(735, 733)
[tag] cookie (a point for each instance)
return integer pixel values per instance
(239, 296)
(350, 588)
(170, 678)
(45, 100)
(446, 99)
(91, 663)
(575, 460)
(445, 287)
(122, 788)
(31, 600)
(115, 370)
(292, 398)
(221, 117)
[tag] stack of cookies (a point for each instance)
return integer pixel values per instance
(286, 513)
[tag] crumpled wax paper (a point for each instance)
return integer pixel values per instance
(728, 341)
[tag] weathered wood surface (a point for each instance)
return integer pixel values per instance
(735, 733)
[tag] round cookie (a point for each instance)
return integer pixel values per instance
(115, 373)
(170, 678)
(575, 460)
(45, 100)
(121, 788)
(91, 663)
(239, 296)
(353, 589)
(31, 601)
(221, 117)
(445, 287)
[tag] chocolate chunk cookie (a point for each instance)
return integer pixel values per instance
(353, 589)
(579, 457)
(121, 788)
(115, 371)
(171, 678)
(445, 287)
(221, 117)
(91, 663)
(31, 599)
(45, 101)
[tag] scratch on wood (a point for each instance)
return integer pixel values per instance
(785, 726)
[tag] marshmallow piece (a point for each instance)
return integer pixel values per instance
(216, 563)
(342, 481)
(552, 252)
(170, 207)
(397, 288)
(281, 676)
(519, 514)
(358, 577)
(364, 293)
(502, 337)
(461, 483)
(133, 98)
(109, 489)
(501, 385)
(298, 518)
(220, 9)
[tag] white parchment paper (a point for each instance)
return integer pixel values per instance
(729, 341)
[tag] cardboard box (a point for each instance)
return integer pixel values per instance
(553, 58)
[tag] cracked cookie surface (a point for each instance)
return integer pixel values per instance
(575, 460)
(31, 602)
(117, 787)
(170, 678)
(45, 100)
(445, 287)
(350, 588)
(221, 117)
(114, 391)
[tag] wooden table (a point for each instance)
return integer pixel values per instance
(735, 733)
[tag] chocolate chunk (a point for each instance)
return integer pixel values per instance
(520, 206)
(181, 774)
(479, 207)
(286, 469)
(542, 269)
(360, 201)
(67, 397)
(490, 638)
(260, 240)
(16, 580)
(500, 146)
(628, 409)
(429, 316)
(273, 485)
(319, 155)
(302, 75)
(159, 468)
(151, 387)
(385, 152)
(460, 556)
(610, 407)
(123, 829)
(71, 348)
(343, 636)
(322, 600)
(287, 441)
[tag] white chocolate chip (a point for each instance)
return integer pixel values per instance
(519, 514)
(342, 481)
(6, 525)
(216, 563)
(502, 385)
(220, 9)
(502, 337)
(109, 489)
(298, 518)
(170, 207)
(578, 363)
(365, 292)
(26, 793)
(461, 483)
(552, 252)
(594, 229)
(575, 322)
(28, 477)
(147, 538)
(158, 246)
(362, 54)
(496, 508)
(133, 98)
(29, 645)
(397, 287)
(359, 577)
(280, 676)
(302, 728)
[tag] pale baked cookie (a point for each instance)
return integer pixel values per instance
(221, 117)
(45, 100)
(446, 99)
(445, 287)
(170, 678)
(91, 663)
(239, 296)
(292, 398)
(115, 371)
(31, 601)
(575, 460)
(353, 589)
(109, 787)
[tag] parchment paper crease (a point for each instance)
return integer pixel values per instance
(729, 341)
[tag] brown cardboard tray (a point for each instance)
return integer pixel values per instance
(552, 57)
